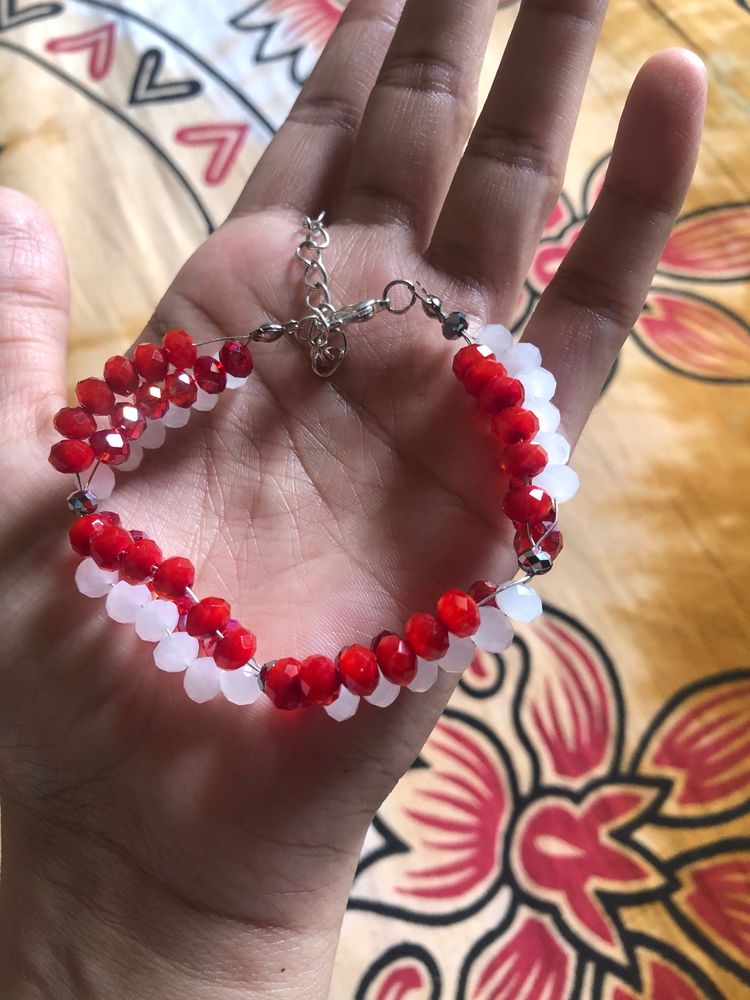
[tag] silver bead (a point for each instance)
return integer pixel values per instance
(535, 561)
(83, 502)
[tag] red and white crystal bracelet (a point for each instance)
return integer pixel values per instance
(132, 406)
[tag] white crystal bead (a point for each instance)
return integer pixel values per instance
(384, 694)
(344, 707)
(205, 401)
(461, 652)
(201, 679)
(176, 652)
(547, 414)
(102, 482)
(92, 581)
(521, 357)
(241, 687)
(495, 632)
(154, 436)
(557, 448)
(125, 600)
(134, 459)
(425, 677)
(176, 416)
(560, 481)
(539, 385)
(520, 603)
(496, 337)
(235, 383)
(156, 620)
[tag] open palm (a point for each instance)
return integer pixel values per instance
(325, 510)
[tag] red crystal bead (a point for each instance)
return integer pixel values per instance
(524, 459)
(527, 504)
(74, 422)
(96, 396)
(552, 544)
(82, 532)
(236, 358)
(359, 669)
(120, 375)
(458, 612)
(480, 590)
(110, 446)
(514, 424)
(210, 375)
(499, 393)
(282, 684)
(128, 420)
(150, 362)
(319, 680)
(110, 545)
(151, 400)
(209, 615)
(235, 648)
(181, 389)
(396, 659)
(174, 577)
(427, 636)
(71, 456)
(469, 356)
(179, 348)
(477, 377)
(141, 560)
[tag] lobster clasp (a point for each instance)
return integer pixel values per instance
(359, 312)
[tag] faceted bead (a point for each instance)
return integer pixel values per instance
(74, 422)
(82, 502)
(208, 616)
(480, 590)
(385, 693)
(82, 532)
(241, 687)
(396, 659)
(102, 481)
(125, 600)
(530, 536)
(344, 707)
(154, 436)
(235, 648)
(477, 377)
(427, 636)
(128, 420)
(458, 612)
(71, 456)
(156, 620)
(176, 416)
(93, 581)
(520, 603)
(359, 669)
(174, 577)
(108, 546)
(522, 357)
(524, 459)
(202, 680)
(236, 359)
(235, 383)
(96, 396)
(141, 561)
(205, 401)
(547, 414)
(455, 325)
(150, 362)
(319, 680)
(176, 652)
(134, 459)
(557, 448)
(425, 677)
(496, 337)
(110, 446)
(151, 400)
(538, 384)
(120, 375)
(495, 632)
(181, 389)
(513, 425)
(536, 562)
(498, 394)
(281, 683)
(560, 481)
(210, 375)
(179, 348)
(461, 652)
(469, 356)
(527, 504)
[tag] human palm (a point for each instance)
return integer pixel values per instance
(325, 510)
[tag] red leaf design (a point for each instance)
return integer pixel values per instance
(710, 245)
(701, 743)
(695, 336)
(99, 43)
(409, 975)
(550, 255)
(559, 218)
(225, 140)
(295, 23)
(661, 977)
(528, 959)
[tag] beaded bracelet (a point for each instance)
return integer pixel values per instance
(130, 409)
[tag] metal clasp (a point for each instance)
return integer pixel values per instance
(359, 312)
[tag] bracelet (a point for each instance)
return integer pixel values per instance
(138, 398)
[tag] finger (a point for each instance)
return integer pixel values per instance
(590, 306)
(512, 171)
(419, 115)
(33, 317)
(308, 159)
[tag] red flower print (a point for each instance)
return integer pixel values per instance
(406, 972)
(662, 972)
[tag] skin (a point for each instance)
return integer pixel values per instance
(152, 846)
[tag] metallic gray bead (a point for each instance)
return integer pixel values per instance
(535, 561)
(455, 325)
(83, 502)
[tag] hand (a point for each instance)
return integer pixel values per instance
(152, 845)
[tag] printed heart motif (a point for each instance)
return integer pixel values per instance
(226, 142)
(12, 15)
(99, 43)
(146, 88)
